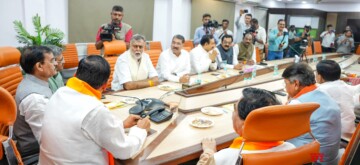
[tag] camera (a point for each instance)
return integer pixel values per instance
(213, 24)
(304, 43)
(109, 30)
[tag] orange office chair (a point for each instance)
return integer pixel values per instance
(115, 47)
(10, 72)
(309, 51)
(277, 123)
(155, 45)
(7, 118)
(189, 43)
(258, 55)
(70, 56)
(154, 56)
(351, 154)
(188, 49)
(112, 61)
(317, 47)
(91, 50)
(358, 50)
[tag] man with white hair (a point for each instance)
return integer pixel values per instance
(134, 69)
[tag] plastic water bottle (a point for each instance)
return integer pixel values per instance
(323, 57)
(276, 70)
(253, 73)
(198, 80)
(315, 59)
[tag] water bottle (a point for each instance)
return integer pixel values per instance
(276, 70)
(253, 73)
(198, 79)
(315, 60)
(323, 57)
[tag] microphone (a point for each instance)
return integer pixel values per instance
(138, 108)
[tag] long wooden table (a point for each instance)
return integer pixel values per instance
(176, 141)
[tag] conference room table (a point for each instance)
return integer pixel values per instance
(177, 141)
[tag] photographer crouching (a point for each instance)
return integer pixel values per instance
(116, 30)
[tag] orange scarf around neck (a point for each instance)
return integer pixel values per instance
(251, 146)
(305, 90)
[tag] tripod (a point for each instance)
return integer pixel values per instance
(303, 53)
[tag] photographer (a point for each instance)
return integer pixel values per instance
(208, 27)
(221, 32)
(345, 42)
(278, 41)
(241, 26)
(302, 40)
(328, 39)
(259, 36)
(119, 29)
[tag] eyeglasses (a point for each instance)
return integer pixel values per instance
(60, 61)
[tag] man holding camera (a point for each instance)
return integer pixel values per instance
(302, 41)
(241, 26)
(208, 28)
(117, 29)
(345, 42)
(328, 39)
(278, 41)
(259, 36)
(224, 30)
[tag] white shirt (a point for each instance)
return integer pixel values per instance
(32, 108)
(261, 35)
(235, 55)
(200, 60)
(122, 73)
(343, 95)
(171, 67)
(327, 39)
(230, 155)
(220, 33)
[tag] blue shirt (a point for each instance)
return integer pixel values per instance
(274, 40)
(199, 32)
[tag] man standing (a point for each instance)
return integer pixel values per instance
(32, 94)
(241, 26)
(328, 39)
(228, 53)
(292, 44)
(122, 31)
(134, 69)
(260, 37)
(345, 42)
(224, 29)
(205, 29)
(174, 63)
(79, 129)
(325, 122)
(278, 41)
(247, 52)
(203, 57)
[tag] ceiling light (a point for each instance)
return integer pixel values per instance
(289, 0)
(303, 2)
(279, 0)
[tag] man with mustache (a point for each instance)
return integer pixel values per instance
(228, 53)
(124, 33)
(134, 69)
(174, 63)
(247, 52)
(278, 41)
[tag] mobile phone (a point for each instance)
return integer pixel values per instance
(215, 74)
(246, 11)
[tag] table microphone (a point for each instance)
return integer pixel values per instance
(137, 109)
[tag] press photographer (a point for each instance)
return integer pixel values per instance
(302, 41)
(208, 27)
(328, 39)
(259, 36)
(278, 41)
(221, 32)
(115, 30)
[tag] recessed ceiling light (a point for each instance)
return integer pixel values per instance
(289, 0)
(279, 0)
(303, 2)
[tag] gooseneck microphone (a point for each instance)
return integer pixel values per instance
(138, 108)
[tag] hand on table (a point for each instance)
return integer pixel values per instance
(144, 123)
(209, 144)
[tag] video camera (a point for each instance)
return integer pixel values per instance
(213, 24)
(109, 30)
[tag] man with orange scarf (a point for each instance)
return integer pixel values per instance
(252, 99)
(325, 122)
(79, 129)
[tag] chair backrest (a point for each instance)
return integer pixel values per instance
(352, 150)
(70, 56)
(91, 50)
(155, 45)
(10, 72)
(309, 51)
(112, 61)
(187, 49)
(277, 123)
(189, 43)
(358, 50)
(115, 47)
(154, 56)
(7, 108)
(258, 55)
(317, 47)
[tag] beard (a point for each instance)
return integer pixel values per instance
(137, 56)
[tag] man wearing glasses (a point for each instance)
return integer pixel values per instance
(134, 69)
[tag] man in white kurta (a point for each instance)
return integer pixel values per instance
(203, 57)
(79, 129)
(134, 69)
(174, 63)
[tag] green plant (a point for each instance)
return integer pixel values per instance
(44, 35)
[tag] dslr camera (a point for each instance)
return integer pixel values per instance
(213, 24)
(108, 31)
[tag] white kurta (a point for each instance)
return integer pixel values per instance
(230, 155)
(343, 95)
(127, 69)
(327, 39)
(200, 60)
(79, 129)
(171, 67)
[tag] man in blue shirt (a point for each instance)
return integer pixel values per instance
(278, 41)
(205, 29)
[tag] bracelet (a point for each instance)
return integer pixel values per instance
(151, 83)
